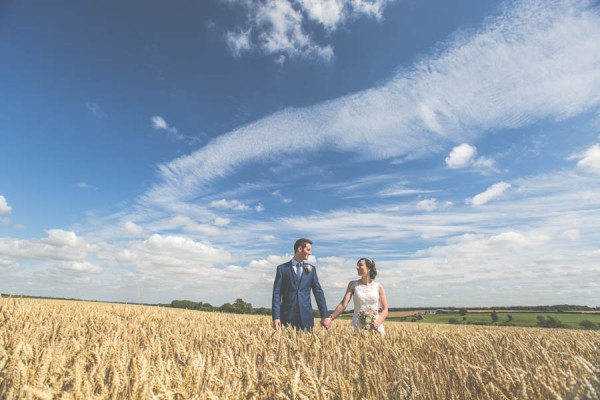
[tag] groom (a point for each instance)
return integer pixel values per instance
(291, 291)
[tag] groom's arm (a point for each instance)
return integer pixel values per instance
(320, 298)
(276, 301)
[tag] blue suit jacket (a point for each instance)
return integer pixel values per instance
(291, 296)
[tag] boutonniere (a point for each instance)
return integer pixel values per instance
(307, 268)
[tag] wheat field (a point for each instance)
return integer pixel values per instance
(79, 350)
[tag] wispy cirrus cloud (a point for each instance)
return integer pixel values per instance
(95, 109)
(433, 204)
(230, 204)
(86, 186)
(536, 62)
(457, 244)
(281, 197)
(500, 77)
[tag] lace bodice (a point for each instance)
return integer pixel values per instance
(365, 296)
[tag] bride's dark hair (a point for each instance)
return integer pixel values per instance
(371, 265)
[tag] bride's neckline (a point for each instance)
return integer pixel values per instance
(360, 283)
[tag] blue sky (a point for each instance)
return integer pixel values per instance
(154, 151)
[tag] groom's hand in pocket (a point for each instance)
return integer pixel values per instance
(276, 323)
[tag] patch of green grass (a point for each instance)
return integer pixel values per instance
(518, 319)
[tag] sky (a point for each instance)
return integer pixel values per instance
(152, 151)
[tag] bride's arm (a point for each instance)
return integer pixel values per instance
(384, 308)
(342, 306)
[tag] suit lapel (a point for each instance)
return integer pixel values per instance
(293, 275)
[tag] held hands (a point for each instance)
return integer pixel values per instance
(326, 322)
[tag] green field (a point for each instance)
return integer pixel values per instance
(518, 319)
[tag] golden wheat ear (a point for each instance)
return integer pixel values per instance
(67, 349)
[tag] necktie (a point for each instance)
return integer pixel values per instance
(299, 269)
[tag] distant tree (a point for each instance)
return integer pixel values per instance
(509, 317)
(227, 307)
(240, 306)
(587, 324)
(549, 322)
(262, 311)
(494, 316)
(186, 304)
(464, 318)
(462, 311)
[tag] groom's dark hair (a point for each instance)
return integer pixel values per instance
(301, 243)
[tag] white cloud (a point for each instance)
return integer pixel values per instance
(279, 27)
(285, 200)
(210, 25)
(58, 245)
(485, 164)
(77, 266)
(59, 237)
(491, 193)
(432, 205)
(95, 109)
(159, 123)
(7, 265)
(476, 244)
(400, 190)
(86, 186)
(573, 234)
(590, 159)
(281, 32)
(191, 226)
(478, 251)
(131, 228)
(267, 238)
(535, 61)
(259, 207)
(230, 204)
(4, 207)
(220, 221)
(173, 258)
(461, 156)
(329, 13)
(239, 41)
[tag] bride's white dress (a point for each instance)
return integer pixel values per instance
(365, 296)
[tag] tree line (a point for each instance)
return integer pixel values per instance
(558, 308)
(239, 306)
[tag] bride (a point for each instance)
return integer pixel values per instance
(369, 296)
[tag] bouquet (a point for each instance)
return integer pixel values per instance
(367, 316)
